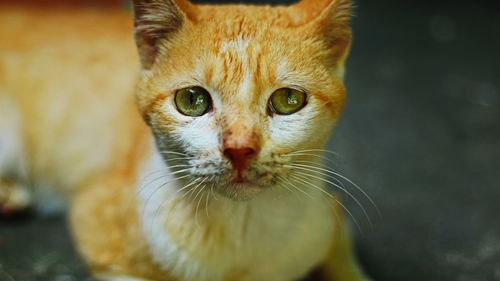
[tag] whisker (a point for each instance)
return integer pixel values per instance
(160, 177)
(349, 181)
(206, 202)
(189, 192)
(157, 211)
(188, 185)
(331, 196)
(174, 152)
(199, 185)
(298, 189)
(180, 158)
(154, 172)
(322, 157)
(202, 187)
(318, 150)
(335, 210)
(157, 189)
(192, 190)
(212, 190)
(311, 165)
(180, 166)
(160, 207)
(336, 185)
(285, 186)
(167, 172)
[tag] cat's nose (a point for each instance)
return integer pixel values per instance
(240, 157)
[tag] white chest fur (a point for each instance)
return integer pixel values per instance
(277, 236)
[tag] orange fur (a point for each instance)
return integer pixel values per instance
(70, 73)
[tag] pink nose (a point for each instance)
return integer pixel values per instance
(239, 157)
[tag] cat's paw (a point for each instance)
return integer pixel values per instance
(14, 198)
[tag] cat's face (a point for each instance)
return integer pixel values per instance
(236, 93)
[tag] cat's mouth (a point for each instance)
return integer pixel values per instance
(244, 186)
(240, 179)
(237, 184)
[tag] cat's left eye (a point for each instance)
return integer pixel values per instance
(193, 101)
(286, 101)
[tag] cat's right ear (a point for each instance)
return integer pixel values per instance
(155, 21)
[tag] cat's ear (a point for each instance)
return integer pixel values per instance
(328, 19)
(156, 20)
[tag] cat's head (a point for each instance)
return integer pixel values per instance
(235, 94)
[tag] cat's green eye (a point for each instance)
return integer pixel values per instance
(193, 101)
(286, 101)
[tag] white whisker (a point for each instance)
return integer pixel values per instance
(331, 196)
(349, 181)
(297, 188)
(322, 157)
(156, 190)
(160, 207)
(160, 177)
(179, 158)
(336, 185)
(188, 185)
(174, 152)
(315, 150)
(202, 187)
(209, 194)
(282, 183)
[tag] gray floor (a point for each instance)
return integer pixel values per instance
(421, 134)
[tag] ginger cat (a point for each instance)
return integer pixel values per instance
(208, 180)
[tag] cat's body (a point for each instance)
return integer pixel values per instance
(69, 125)
(69, 71)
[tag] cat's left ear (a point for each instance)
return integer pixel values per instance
(156, 20)
(328, 19)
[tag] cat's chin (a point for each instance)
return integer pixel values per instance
(240, 191)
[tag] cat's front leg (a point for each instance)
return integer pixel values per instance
(341, 264)
(105, 223)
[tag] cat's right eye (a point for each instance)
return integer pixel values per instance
(193, 101)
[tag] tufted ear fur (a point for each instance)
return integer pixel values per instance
(328, 19)
(155, 20)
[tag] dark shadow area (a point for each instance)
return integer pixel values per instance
(36, 248)
(420, 133)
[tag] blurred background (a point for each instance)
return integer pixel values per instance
(420, 133)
